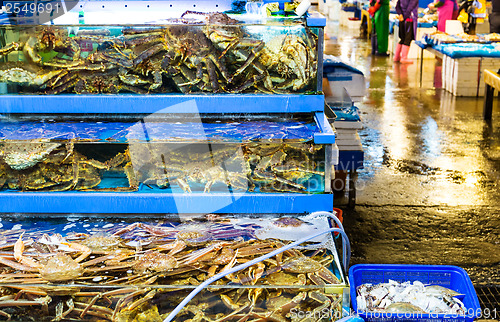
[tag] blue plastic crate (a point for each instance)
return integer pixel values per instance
(453, 277)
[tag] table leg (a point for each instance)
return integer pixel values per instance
(352, 188)
(421, 64)
(488, 102)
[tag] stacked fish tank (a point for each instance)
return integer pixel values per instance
(140, 160)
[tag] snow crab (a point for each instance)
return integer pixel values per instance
(57, 268)
(44, 40)
(282, 166)
(28, 76)
(143, 271)
(48, 166)
(25, 154)
(184, 46)
(291, 57)
(97, 82)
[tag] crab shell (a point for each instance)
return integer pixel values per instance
(20, 156)
(60, 268)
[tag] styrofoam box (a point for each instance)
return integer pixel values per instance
(353, 83)
(464, 76)
(334, 9)
(321, 6)
(348, 125)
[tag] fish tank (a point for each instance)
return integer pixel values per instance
(231, 267)
(163, 153)
(186, 52)
(166, 107)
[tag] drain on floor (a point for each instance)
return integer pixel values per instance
(489, 298)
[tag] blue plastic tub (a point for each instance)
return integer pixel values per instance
(453, 277)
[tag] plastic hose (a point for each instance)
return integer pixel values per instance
(328, 214)
(235, 269)
(346, 247)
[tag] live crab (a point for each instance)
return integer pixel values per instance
(118, 279)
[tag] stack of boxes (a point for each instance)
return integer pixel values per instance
(464, 76)
(342, 85)
(347, 123)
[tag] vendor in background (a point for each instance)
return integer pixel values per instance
(408, 18)
(447, 10)
(379, 10)
(494, 17)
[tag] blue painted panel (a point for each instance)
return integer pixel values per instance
(80, 202)
(315, 19)
(350, 160)
(146, 130)
(113, 104)
(327, 135)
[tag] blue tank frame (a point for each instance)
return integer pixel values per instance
(141, 202)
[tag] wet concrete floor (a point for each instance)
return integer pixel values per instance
(430, 190)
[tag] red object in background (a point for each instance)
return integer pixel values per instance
(374, 8)
(86, 46)
(338, 213)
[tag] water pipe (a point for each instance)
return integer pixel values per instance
(346, 247)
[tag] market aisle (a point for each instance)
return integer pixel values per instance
(430, 193)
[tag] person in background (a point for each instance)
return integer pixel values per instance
(447, 10)
(494, 16)
(379, 10)
(408, 18)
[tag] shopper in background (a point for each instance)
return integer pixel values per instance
(494, 16)
(408, 18)
(447, 10)
(379, 10)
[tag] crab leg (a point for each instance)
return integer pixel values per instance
(98, 313)
(254, 53)
(32, 291)
(81, 248)
(108, 268)
(142, 300)
(194, 256)
(124, 300)
(10, 303)
(91, 303)
(156, 231)
(221, 67)
(229, 316)
(18, 254)
(98, 260)
(148, 53)
(105, 295)
(5, 314)
(10, 48)
(18, 266)
(174, 247)
(71, 307)
(231, 263)
(119, 280)
(183, 185)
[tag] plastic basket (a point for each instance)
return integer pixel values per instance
(453, 277)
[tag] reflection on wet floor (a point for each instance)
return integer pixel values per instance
(429, 192)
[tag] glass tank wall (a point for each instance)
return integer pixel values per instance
(164, 154)
(181, 55)
(103, 269)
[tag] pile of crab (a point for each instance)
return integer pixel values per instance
(140, 272)
(215, 54)
(45, 165)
